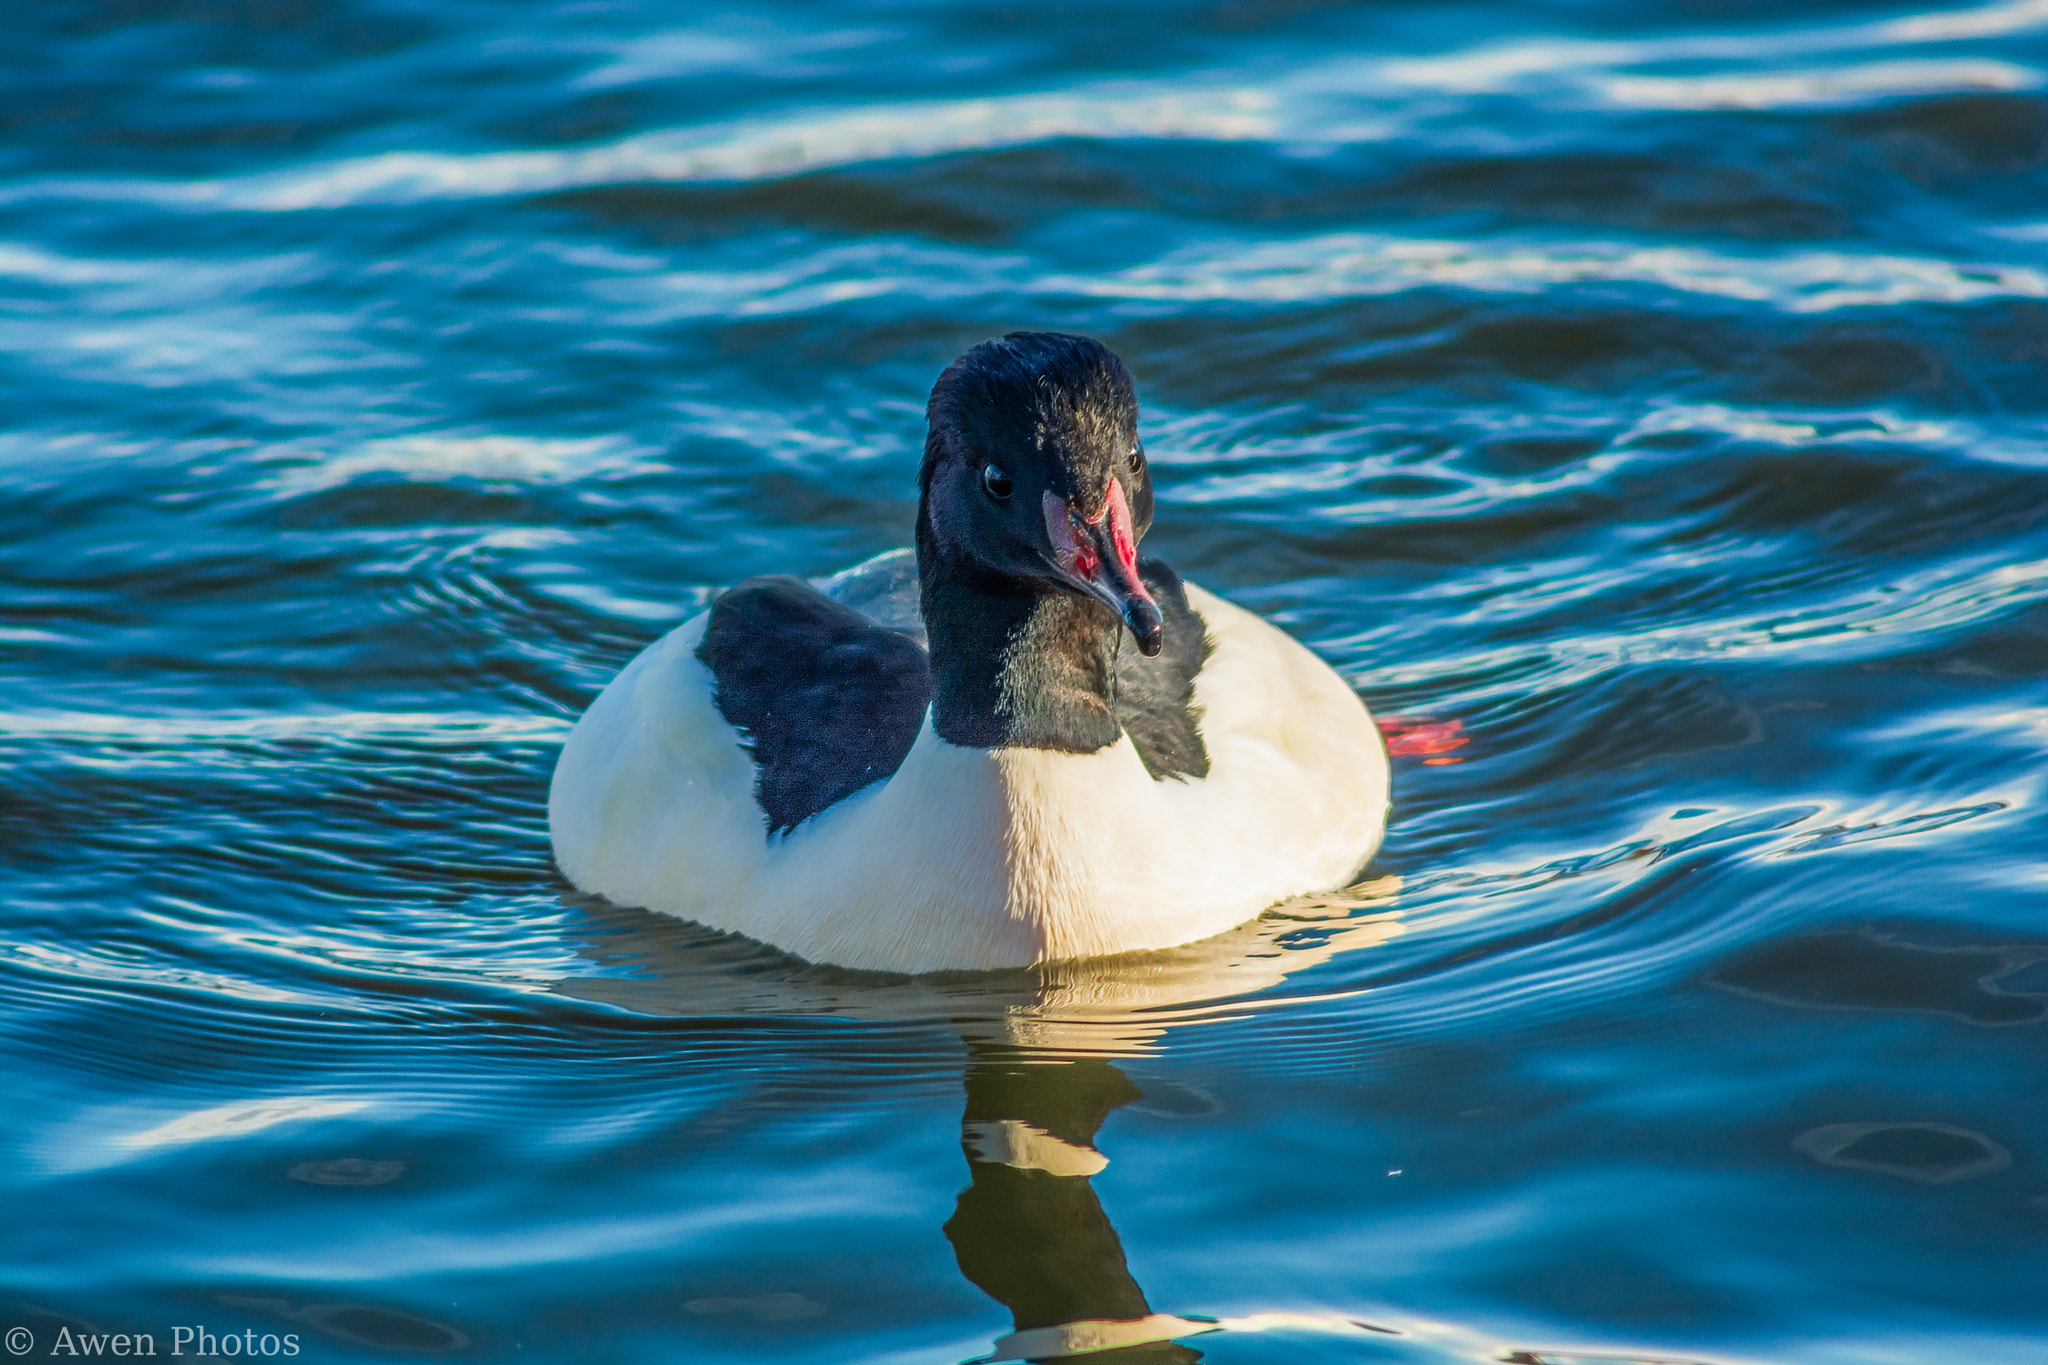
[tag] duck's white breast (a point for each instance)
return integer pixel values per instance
(970, 858)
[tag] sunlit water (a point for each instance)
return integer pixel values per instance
(1655, 391)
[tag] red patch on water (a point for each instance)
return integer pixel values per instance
(1429, 738)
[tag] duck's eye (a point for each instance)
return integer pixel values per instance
(996, 482)
(1137, 457)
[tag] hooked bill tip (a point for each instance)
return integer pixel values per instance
(1148, 628)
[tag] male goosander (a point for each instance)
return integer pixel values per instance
(995, 779)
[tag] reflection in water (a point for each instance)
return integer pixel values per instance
(1030, 1231)
(1097, 1006)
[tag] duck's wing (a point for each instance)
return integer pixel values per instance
(826, 700)
(883, 589)
(1155, 698)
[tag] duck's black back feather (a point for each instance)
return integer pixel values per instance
(827, 701)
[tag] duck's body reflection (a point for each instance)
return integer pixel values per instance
(1029, 1230)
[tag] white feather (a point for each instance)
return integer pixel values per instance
(971, 859)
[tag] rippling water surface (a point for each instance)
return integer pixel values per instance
(1655, 391)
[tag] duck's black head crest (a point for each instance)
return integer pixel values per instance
(1047, 402)
(1033, 478)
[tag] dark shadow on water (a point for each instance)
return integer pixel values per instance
(1851, 970)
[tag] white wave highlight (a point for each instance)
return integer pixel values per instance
(1818, 89)
(753, 152)
(1350, 265)
(29, 263)
(1791, 430)
(235, 1120)
(1505, 66)
(769, 49)
(486, 459)
(1983, 21)
(335, 727)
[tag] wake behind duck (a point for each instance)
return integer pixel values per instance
(995, 780)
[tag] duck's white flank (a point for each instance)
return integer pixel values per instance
(971, 859)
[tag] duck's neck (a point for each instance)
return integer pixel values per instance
(1013, 667)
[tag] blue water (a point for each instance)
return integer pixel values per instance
(1657, 392)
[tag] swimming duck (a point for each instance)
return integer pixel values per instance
(1029, 744)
